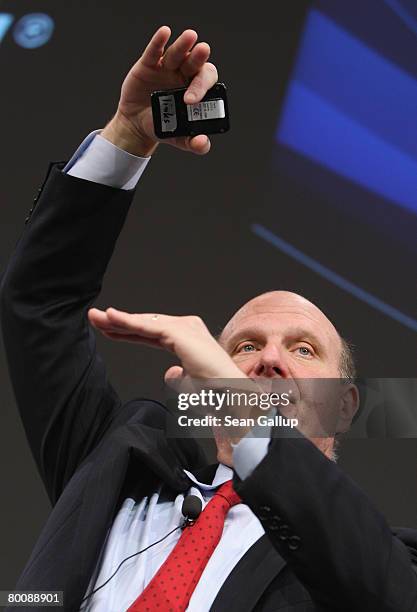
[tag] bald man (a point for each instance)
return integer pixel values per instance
(292, 531)
(276, 335)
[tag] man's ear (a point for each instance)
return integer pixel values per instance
(349, 407)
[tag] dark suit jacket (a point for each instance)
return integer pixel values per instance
(326, 547)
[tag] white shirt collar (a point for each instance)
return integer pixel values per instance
(223, 473)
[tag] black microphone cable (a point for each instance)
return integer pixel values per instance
(191, 510)
(127, 558)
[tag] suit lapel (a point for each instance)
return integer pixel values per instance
(99, 500)
(257, 568)
(106, 480)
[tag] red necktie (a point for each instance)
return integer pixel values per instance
(173, 584)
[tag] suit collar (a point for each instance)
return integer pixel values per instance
(257, 568)
(210, 477)
(120, 464)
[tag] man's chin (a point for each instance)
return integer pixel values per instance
(224, 453)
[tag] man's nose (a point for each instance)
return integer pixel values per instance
(271, 363)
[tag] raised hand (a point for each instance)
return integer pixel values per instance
(187, 337)
(183, 63)
(201, 357)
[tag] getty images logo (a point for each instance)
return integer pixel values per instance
(30, 31)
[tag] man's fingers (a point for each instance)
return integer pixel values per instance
(195, 59)
(101, 322)
(146, 325)
(178, 51)
(131, 338)
(200, 144)
(97, 317)
(197, 144)
(155, 48)
(124, 323)
(201, 83)
(178, 380)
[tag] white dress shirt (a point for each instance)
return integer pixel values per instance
(139, 524)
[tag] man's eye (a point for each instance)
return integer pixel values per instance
(245, 348)
(305, 351)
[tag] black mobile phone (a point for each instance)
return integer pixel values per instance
(173, 117)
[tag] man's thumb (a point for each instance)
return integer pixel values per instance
(173, 376)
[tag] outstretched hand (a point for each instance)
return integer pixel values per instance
(199, 353)
(187, 337)
(183, 63)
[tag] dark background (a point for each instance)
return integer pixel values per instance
(188, 246)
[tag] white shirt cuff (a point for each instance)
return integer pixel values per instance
(249, 452)
(99, 161)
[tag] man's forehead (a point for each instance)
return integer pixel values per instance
(280, 307)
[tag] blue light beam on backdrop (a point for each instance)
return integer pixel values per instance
(352, 110)
(333, 277)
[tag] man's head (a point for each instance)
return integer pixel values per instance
(281, 334)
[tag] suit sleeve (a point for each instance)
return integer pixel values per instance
(333, 538)
(64, 397)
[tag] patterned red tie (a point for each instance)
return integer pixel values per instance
(173, 584)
